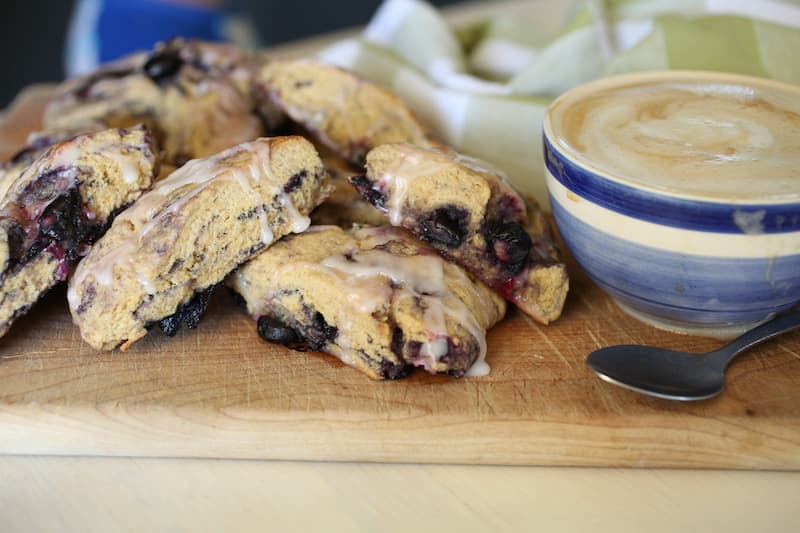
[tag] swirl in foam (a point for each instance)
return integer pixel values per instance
(687, 135)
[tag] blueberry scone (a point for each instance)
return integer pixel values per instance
(60, 204)
(347, 113)
(471, 215)
(163, 255)
(197, 97)
(376, 298)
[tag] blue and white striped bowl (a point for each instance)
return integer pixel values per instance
(699, 266)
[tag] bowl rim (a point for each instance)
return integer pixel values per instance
(656, 76)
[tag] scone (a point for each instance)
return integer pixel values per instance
(347, 113)
(60, 204)
(161, 257)
(471, 215)
(196, 96)
(376, 298)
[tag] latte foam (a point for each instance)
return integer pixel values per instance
(685, 134)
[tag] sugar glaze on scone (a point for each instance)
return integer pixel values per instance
(471, 214)
(168, 250)
(376, 298)
(60, 204)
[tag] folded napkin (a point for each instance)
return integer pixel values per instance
(484, 87)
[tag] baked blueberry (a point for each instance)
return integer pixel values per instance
(446, 226)
(163, 65)
(510, 244)
(272, 330)
(365, 189)
(188, 313)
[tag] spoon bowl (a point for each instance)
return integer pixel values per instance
(676, 375)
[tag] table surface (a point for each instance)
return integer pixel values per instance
(136, 494)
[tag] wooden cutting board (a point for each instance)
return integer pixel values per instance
(219, 391)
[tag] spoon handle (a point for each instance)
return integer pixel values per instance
(767, 330)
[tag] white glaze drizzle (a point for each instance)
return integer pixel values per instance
(421, 277)
(152, 208)
(66, 154)
(410, 165)
(370, 237)
(298, 221)
(69, 153)
(415, 162)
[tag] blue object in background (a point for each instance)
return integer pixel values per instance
(124, 26)
(104, 30)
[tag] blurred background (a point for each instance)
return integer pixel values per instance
(33, 33)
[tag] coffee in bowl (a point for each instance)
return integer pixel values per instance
(679, 194)
(685, 135)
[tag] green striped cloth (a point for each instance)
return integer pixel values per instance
(484, 87)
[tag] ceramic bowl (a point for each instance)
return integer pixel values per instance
(690, 258)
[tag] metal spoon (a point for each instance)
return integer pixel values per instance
(677, 375)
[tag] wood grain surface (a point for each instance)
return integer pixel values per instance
(219, 391)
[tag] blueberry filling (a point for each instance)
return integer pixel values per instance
(63, 229)
(412, 349)
(272, 330)
(510, 244)
(188, 313)
(364, 187)
(459, 357)
(295, 181)
(398, 339)
(390, 370)
(320, 333)
(65, 222)
(163, 65)
(446, 226)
